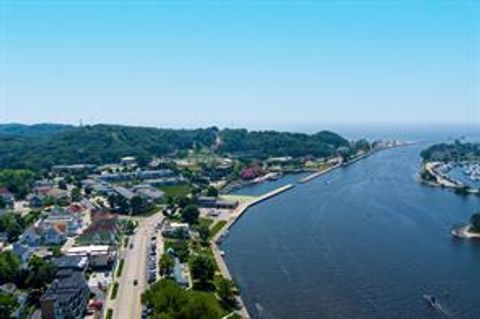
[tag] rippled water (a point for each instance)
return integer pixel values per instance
(366, 241)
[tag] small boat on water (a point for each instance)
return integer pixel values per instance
(433, 302)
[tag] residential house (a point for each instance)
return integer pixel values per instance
(124, 192)
(99, 256)
(35, 200)
(103, 230)
(22, 251)
(32, 236)
(74, 223)
(7, 197)
(67, 297)
(79, 263)
(55, 234)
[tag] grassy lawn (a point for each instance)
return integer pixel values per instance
(205, 221)
(120, 267)
(114, 290)
(176, 190)
(216, 228)
(240, 198)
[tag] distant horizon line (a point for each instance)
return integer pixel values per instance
(262, 126)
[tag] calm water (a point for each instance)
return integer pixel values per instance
(366, 241)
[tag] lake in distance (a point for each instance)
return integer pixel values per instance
(364, 241)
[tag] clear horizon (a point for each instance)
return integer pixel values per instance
(259, 65)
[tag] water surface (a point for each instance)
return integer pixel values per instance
(365, 241)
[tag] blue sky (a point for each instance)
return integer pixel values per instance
(249, 64)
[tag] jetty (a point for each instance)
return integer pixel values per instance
(239, 211)
(317, 174)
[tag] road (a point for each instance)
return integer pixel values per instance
(127, 305)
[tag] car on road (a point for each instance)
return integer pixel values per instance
(135, 282)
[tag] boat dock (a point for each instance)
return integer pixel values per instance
(317, 174)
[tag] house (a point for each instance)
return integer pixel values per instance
(59, 195)
(35, 200)
(7, 198)
(55, 234)
(174, 230)
(74, 168)
(150, 193)
(124, 192)
(71, 262)
(73, 223)
(99, 256)
(102, 231)
(22, 251)
(67, 297)
(32, 237)
(213, 202)
(128, 161)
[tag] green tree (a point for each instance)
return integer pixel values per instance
(181, 250)
(200, 307)
(202, 268)
(166, 264)
(62, 184)
(9, 267)
(41, 273)
(8, 304)
(76, 194)
(475, 222)
(137, 204)
(212, 191)
(2, 203)
(226, 292)
(18, 181)
(204, 232)
(169, 301)
(190, 214)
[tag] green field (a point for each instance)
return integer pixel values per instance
(176, 190)
(217, 227)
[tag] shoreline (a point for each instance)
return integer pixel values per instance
(217, 239)
(441, 181)
(464, 232)
(243, 207)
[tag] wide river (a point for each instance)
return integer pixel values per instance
(364, 241)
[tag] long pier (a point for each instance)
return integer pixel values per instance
(239, 211)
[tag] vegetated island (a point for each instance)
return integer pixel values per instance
(455, 166)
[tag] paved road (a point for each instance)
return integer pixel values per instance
(127, 305)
